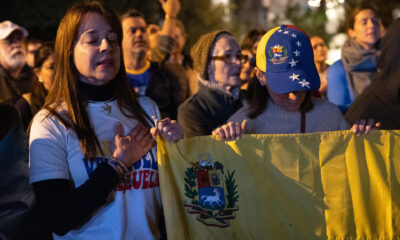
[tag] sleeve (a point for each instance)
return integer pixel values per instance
(64, 207)
(47, 149)
(191, 123)
(338, 91)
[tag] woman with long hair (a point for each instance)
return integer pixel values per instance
(44, 73)
(93, 164)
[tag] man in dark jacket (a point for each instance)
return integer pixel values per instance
(15, 75)
(145, 67)
(217, 59)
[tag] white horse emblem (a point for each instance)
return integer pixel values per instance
(212, 199)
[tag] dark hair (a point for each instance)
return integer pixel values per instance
(33, 41)
(66, 90)
(258, 95)
(132, 13)
(351, 18)
(251, 38)
(38, 92)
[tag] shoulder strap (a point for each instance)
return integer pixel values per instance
(303, 122)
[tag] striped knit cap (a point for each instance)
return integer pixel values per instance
(201, 52)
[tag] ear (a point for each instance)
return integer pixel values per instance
(37, 72)
(260, 76)
(350, 32)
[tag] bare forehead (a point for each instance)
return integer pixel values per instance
(225, 43)
(93, 21)
(316, 40)
(365, 14)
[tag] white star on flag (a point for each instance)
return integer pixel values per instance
(304, 83)
(297, 53)
(295, 77)
(286, 32)
(293, 63)
(298, 43)
(294, 35)
(280, 30)
(277, 46)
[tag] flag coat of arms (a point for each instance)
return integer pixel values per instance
(332, 185)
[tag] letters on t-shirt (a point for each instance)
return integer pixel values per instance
(143, 174)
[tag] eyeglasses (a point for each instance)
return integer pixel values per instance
(229, 58)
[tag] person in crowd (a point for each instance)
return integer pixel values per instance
(15, 75)
(217, 59)
(381, 100)
(181, 63)
(251, 40)
(32, 46)
(349, 76)
(44, 75)
(279, 99)
(320, 55)
(93, 163)
(280, 92)
(148, 77)
(153, 31)
(20, 217)
(249, 48)
(247, 68)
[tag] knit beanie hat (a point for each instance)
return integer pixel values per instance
(201, 52)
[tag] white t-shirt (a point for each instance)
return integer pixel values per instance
(55, 153)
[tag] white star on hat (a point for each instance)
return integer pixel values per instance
(294, 35)
(295, 77)
(286, 32)
(293, 63)
(298, 43)
(304, 83)
(297, 53)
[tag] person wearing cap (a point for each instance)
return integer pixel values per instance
(15, 75)
(217, 59)
(280, 93)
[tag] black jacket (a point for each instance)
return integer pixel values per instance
(11, 91)
(206, 110)
(164, 88)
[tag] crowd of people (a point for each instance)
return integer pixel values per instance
(94, 102)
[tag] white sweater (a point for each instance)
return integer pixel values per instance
(324, 116)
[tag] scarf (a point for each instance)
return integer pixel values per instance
(360, 66)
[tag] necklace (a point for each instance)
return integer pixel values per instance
(106, 108)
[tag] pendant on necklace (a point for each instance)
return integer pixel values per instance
(106, 108)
